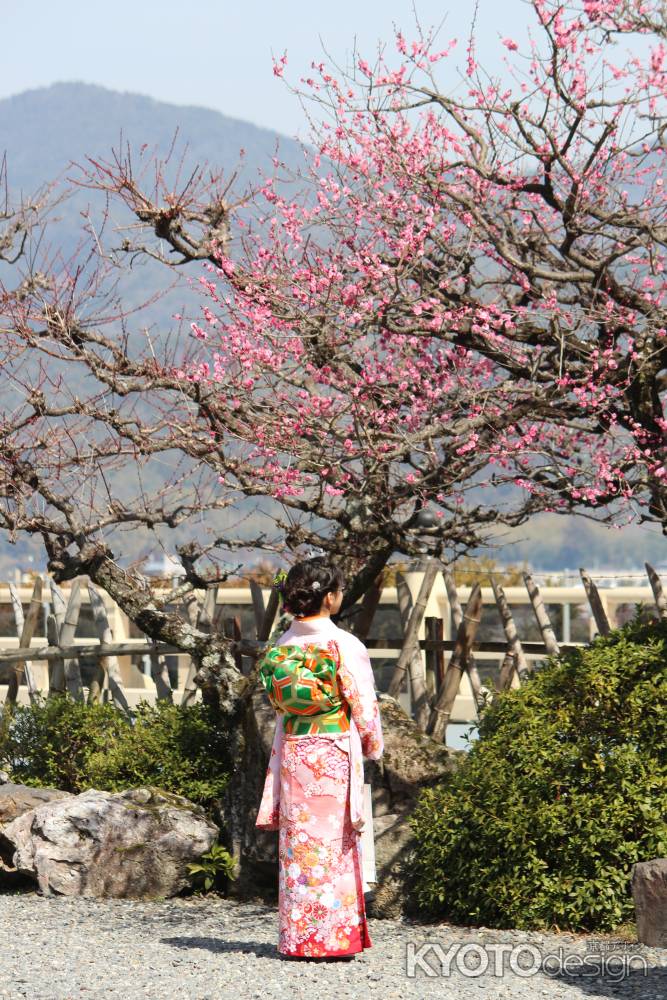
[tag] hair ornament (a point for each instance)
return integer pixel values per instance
(316, 585)
(279, 580)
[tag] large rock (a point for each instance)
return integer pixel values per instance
(411, 761)
(15, 800)
(18, 799)
(649, 891)
(133, 844)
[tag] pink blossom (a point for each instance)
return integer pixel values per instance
(279, 65)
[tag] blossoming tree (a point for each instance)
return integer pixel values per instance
(453, 319)
(467, 294)
(477, 275)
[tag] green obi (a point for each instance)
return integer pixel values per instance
(301, 683)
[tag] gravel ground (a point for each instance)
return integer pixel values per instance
(58, 948)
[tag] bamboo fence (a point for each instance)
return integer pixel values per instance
(431, 705)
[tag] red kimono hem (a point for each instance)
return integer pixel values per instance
(360, 939)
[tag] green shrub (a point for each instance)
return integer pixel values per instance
(564, 790)
(62, 743)
(212, 871)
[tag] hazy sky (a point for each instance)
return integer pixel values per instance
(218, 54)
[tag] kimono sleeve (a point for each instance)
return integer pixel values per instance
(355, 676)
(268, 815)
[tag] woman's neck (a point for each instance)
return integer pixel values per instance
(310, 618)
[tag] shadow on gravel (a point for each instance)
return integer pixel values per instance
(259, 948)
(220, 946)
(166, 917)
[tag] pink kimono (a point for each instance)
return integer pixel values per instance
(313, 795)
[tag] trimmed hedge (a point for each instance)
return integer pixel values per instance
(66, 744)
(565, 789)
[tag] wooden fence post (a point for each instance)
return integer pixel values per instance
(548, 634)
(404, 600)
(369, 604)
(416, 668)
(258, 605)
(207, 612)
(470, 665)
(160, 674)
(195, 611)
(269, 616)
(436, 657)
(17, 609)
(411, 648)
(658, 592)
(57, 666)
(232, 631)
(265, 614)
(405, 607)
(465, 636)
(66, 673)
(507, 669)
(513, 641)
(593, 595)
(110, 663)
(27, 632)
(189, 688)
(54, 623)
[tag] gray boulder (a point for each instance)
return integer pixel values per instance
(411, 761)
(18, 799)
(133, 844)
(649, 891)
(15, 800)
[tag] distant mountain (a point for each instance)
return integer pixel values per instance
(553, 542)
(46, 134)
(43, 130)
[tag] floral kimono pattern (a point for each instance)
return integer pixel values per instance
(313, 796)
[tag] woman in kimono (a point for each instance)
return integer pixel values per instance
(313, 794)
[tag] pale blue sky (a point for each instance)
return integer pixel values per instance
(218, 54)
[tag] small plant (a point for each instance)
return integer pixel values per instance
(212, 870)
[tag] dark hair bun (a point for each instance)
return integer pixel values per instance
(307, 583)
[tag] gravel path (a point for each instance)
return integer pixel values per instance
(57, 948)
